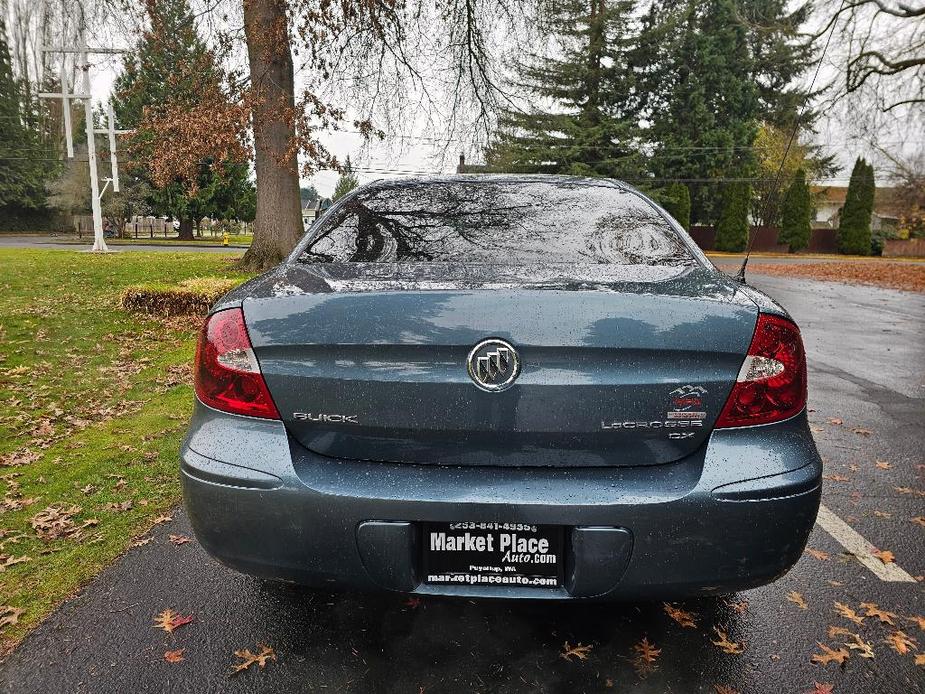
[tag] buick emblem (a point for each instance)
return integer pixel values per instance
(493, 365)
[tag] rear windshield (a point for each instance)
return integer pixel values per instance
(486, 222)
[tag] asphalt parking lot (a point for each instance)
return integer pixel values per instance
(867, 399)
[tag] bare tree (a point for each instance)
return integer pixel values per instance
(908, 176)
(881, 54)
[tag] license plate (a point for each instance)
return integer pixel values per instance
(493, 554)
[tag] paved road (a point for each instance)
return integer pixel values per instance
(867, 369)
(9, 241)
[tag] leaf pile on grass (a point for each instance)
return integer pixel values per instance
(909, 277)
(190, 297)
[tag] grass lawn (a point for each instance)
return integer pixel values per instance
(93, 404)
(144, 239)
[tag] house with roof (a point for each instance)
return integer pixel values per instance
(829, 201)
(313, 210)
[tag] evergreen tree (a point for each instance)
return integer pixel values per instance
(733, 225)
(780, 52)
(796, 213)
(677, 200)
(706, 72)
(347, 181)
(22, 169)
(171, 68)
(854, 221)
(588, 131)
(701, 96)
(308, 195)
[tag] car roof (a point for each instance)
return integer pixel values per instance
(493, 178)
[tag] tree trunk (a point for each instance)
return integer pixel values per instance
(278, 225)
(186, 229)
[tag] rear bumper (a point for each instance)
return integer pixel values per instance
(734, 515)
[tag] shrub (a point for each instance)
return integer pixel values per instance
(190, 297)
(732, 227)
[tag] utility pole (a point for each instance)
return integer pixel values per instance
(83, 52)
(111, 131)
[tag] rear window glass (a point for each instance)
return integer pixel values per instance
(519, 222)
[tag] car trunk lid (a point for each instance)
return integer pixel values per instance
(625, 365)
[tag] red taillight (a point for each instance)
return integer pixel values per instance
(227, 375)
(771, 385)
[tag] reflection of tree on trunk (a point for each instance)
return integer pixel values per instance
(518, 221)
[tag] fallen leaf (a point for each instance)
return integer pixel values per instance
(162, 519)
(174, 656)
(797, 599)
(141, 542)
(740, 606)
(179, 539)
(835, 421)
(266, 653)
(920, 660)
(835, 632)
(883, 514)
(817, 553)
(848, 613)
(836, 478)
(168, 620)
(822, 688)
(919, 520)
(682, 617)
(904, 490)
(918, 620)
(835, 584)
(829, 655)
(646, 655)
(56, 522)
(8, 560)
(23, 456)
(864, 648)
(580, 651)
(884, 555)
(118, 507)
(723, 689)
(900, 642)
(727, 646)
(862, 431)
(9, 615)
(874, 611)
(883, 465)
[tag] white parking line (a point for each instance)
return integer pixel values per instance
(848, 538)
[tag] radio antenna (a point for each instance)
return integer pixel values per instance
(771, 202)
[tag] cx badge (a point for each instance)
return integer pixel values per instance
(493, 365)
